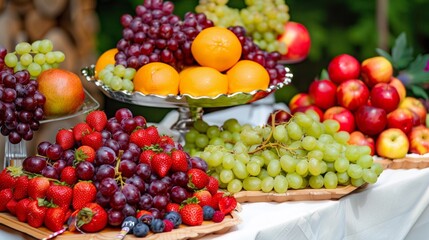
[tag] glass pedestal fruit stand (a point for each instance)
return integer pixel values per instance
(14, 154)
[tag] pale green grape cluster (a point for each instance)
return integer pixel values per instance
(118, 77)
(302, 153)
(263, 20)
(36, 57)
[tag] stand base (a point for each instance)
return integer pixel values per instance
(14, 153)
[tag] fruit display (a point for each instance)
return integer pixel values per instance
(102, 171)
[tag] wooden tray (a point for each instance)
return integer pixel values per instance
(407, 162)
(183, 232)
(296, 195)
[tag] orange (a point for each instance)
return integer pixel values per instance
(157, 78)
(247, 76)
(106, 58)
(216, 47)
(198, 81)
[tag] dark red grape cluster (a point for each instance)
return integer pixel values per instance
(155, 34)
(21, 104)
(251, 51)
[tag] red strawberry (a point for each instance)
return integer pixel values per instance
(146, 156)
(55, 218)
(213, 185)
(9, 176)
(204, 197)
(192, 213)
(83, 192)
(85, 153)
(11, 206)
(91, 218)
(198, 179)
(68, 175)
(142, 212)
(97, 120)
(180, 161)
(36, 213)
(21, 188)
(93, 139)
(60, 195)
(172, 207)
(5, 196)
(165, 140)
(65, 138)
(80, 130)
(161, 163)
(141, 138)
(218, 216)
(215, 200)
(227, 204)
(153, 134)
(37, 187)
(22, 209)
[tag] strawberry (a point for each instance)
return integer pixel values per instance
(153, 134)
(37, 187)
(141, 213)
(161, 164)
(83, 192)
(65, 138)
(227, 204)
(204, 197)
(68, 175)
(5, 196)
(85, 153)
(192, 213)
(215, 200)
(172, 207)
(93, 139)
(60, 195)
(165, 140)
(198, 179)
(36, 213)
(81, 129)
(213, 185)
(11, 206)
(218, 216)
(55, 218)
(9, 176)
(22, 209)
(146, 156)
(21, 188)
(91, 218)
(140, 137)
(97, 120)
(180, 161)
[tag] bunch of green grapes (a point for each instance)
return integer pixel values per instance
(118, 77)
(263, 20)
(302, 153)
(36, 57)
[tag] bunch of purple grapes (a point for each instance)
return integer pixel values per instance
(21, 104)
(251, 51)
(155, 34)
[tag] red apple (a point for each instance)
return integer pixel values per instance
(401, 118)
(419, 140)
(370, 120)
(323, 93)
(384, 96)
(297, 40)
(352, 94)
(400, 87)
(299, 100)
(358, 138)
(343, 67)
(280, 116)
(376, 70)
(416, 107)
(312, 107)
(343, 116)
(392, 143)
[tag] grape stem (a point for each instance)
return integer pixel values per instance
(118, 174)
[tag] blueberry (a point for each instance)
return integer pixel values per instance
(146, 218)
(157, 226)
(129, 222)
(175, 218)
(208, 212)
(140, 230)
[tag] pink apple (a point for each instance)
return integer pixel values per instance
(280, 116)
(392, 143)
(323, 93)
(343, 67)
(358, 138)
(312, 107)
(352, 94)
(400, 87)
(376, 70)
(300, 100)
(416, 107)
(384, 96)
(297, 40)
(401, 118)
(419, 139)
(343, 116)
(370, 120)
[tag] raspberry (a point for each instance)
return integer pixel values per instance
(168, 225)
(218, 216)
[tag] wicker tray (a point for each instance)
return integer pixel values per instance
(409, 162)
